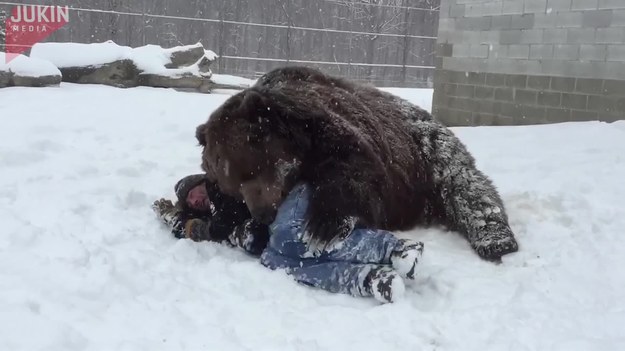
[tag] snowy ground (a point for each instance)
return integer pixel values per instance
(84, 265)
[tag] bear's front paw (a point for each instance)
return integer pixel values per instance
(492, 247)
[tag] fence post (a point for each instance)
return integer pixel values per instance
(144, 26)
(351, 35)
(406, 41)
(220, 48)
(288, 31)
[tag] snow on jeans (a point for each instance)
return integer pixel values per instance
(343, 268)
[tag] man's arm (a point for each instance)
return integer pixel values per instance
(250, 236)
(171, 215)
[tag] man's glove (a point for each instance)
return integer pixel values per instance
(169, 214)
(197, 229)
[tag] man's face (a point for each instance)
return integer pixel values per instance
(198, 199)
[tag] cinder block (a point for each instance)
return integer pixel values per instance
(614, 70)
(489, 37)
(589, 86)
(465, 104)
(566, 52)
(554, 36)
(593, 52)
(491, 8)
(450, 89)
(555, 115)
(541, 51)
(510, 109)
(495, 80)
(583, 115)
(497, 51)
(574, 101)
(510, 37)
(597, 18)
(444, 50)
(580, 35)
(483, 118)
(471, 37)
(570, 19)
(519, 51)
(534, 6)
(542, 20)
(531, 36)
(500, 22)
(611, 4)
(466, 91)
(458, 118)
(538, 82)
(533, 66)
(615, 35)
(525, 97)
(443, 37)
(531, 113)
(618, 18)
(616, 53)
(452, 63)
(461, 50)
(443, 11)
(584, 4)
(484, 92)
(504, 121)
(525, 21)
(546, 98)
(446, 24)
(516, 80)
(614, 87)
(602, 103)
(509, 66)
(512, 7)
(459, 77)
(456, 11)
(476, 78)
(558, 5)
(473, 23)
(586, 69)
(563, 84)
(504, 94)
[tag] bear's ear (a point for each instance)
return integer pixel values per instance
(255, 109)
(200, 134)
(253, 104)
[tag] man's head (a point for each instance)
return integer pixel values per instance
(191, 191)
(250, 151)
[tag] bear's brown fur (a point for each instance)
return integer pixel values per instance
(371, 157)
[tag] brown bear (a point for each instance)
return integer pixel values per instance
(371, 157)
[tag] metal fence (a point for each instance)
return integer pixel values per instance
(386, 42)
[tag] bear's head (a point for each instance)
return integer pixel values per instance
(250, 152)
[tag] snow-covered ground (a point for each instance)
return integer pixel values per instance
(84, 265)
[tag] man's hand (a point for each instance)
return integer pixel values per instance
(169, 214)
(197, 229)
(162, 206)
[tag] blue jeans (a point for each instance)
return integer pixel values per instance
(342, 268)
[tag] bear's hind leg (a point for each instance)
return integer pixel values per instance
(473, 207)
(468, 201)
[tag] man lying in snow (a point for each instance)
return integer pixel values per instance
(369, 262)
(202, 212)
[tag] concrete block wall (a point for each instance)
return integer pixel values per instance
(509, 62)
